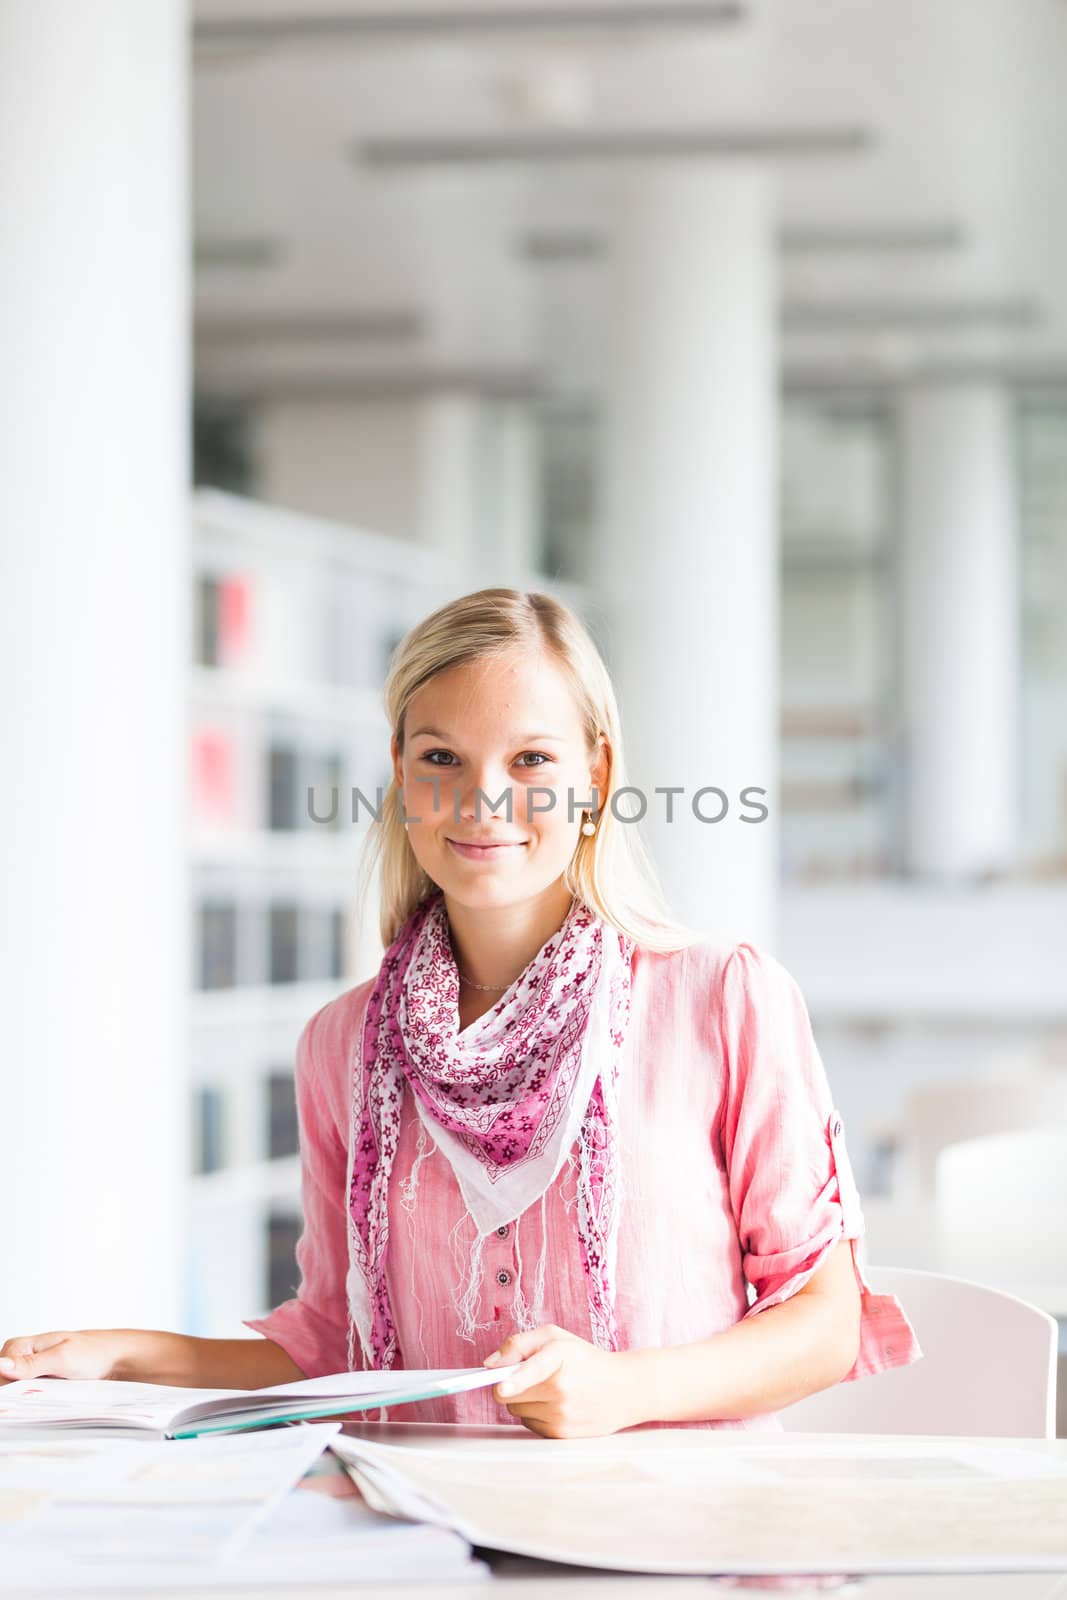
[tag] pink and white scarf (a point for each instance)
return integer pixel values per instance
(504, 1101)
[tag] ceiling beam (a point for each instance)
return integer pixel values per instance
(613, 145)
(842, 315)
(492, 382)
(856, 378)
(855, 383)
(217, 328)
(368, 25)
(552, 245)
(235, 251)
(874, 238)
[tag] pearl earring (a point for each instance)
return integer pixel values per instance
(588, 826)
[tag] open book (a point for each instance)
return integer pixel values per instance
(160, 1411)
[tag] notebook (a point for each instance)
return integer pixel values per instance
(159, 1411)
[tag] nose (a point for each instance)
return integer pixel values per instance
(486, 793)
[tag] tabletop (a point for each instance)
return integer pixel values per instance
(531, 1579)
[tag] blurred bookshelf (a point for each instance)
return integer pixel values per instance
(294, 623)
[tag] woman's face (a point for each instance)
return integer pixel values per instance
(509, 727)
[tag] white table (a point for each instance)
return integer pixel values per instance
(532, 1580)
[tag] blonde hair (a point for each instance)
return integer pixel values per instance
(610, 870)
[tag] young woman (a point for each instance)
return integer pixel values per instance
(555, 1126)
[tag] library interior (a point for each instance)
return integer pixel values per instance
(741, 329)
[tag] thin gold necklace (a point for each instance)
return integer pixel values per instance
(496, 988)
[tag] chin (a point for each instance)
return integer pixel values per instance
(478, 895)
(493, 889)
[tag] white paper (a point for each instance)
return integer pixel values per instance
(30, 1402)
(319, 1531)
(69, 1507)
(786, 1504)
(51, 1403)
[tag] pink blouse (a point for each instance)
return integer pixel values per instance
(735, 1184)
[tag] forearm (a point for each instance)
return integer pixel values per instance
(760, 1364)
(149, 1356)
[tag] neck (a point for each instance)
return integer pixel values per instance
(493, 944)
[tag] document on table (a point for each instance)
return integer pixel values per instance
(218, 1512)
(871, 1504)
(69, 1506)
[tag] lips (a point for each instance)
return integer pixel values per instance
(487, 844)
(473, 850)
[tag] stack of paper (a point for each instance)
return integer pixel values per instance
(239, 1510)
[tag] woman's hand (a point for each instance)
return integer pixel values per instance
(566, 1388)
(90, 1353)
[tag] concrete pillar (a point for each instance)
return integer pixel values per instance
(960, 629)
(687, 547)
(94, 650)
(449, 463)
(509, 532)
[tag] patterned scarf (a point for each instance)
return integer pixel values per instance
(504, 1100)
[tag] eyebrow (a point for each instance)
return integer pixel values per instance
(519, 737)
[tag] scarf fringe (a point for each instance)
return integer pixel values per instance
(366, 1354)
(524, 1315)
(409, 1193)
(531, 1314)
(539, 1281)
(570, 1202)
(469, 1299)
(520, 1311)
(409, 1186)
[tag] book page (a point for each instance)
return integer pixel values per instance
(30, 1402)
(67, 1402)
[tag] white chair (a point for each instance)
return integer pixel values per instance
(988, 1367)
(1001, 1213)
(941, 1114)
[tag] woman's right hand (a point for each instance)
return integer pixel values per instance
(88, 1353)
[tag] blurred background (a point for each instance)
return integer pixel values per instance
(740, 326)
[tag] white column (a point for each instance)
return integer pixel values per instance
(687, 547)
(94, 645)
(448, 454)
(510, 508)
(476, 295)
(961, 629)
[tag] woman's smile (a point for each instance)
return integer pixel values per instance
(485, 852)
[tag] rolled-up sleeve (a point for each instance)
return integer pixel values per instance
(791, 1185)
(312, 1327)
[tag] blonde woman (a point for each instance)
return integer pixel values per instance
(555, 1126)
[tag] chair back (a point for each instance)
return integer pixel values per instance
(988, 1367)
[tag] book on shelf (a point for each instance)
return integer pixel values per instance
(159, 1411)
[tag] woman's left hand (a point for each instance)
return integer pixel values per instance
(566, 1388)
